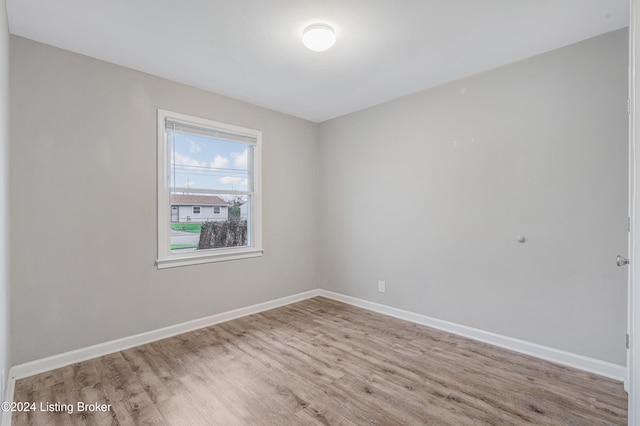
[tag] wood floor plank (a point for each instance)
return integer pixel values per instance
(321, 362)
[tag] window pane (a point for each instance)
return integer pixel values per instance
(200, 162)
(221, 221)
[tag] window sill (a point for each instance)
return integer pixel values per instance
(191, 259)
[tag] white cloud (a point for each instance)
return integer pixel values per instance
(185, 160)
(230, 180)
(189, 184)
(240, 159)
(219, 162)
(194, 147)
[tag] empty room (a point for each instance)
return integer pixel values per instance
(319, 212)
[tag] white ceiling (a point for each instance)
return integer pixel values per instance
(251, 49)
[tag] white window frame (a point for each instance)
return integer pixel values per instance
(216, 208)
(193, 209)
(167, 259)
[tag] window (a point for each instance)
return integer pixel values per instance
(206, 163)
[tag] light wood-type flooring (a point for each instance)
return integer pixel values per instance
(321, 362)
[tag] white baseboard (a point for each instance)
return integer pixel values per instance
(62, 360)
(603, 368)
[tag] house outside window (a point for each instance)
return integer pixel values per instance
(204, 169)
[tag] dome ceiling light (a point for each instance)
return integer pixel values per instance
(318, 37)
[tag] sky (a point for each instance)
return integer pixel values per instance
(202, 162)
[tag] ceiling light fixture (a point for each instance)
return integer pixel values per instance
(318, 37)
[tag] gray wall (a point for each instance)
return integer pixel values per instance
(430, 191)
(5, 361)
(83, 155)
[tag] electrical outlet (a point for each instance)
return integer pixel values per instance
(382, 286)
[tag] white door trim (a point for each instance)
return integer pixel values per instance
(633, 368)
